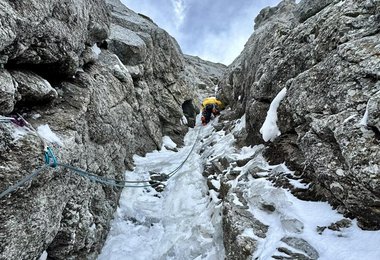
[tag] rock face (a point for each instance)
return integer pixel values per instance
(208, 74)
(110, 84)
(326, 53)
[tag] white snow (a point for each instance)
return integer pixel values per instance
(349, 118)
(168, 142)
(36, 116)
(43, 256)
(18, 132)
(184, 221)
(95, 49)
(240, 124)
(120, 67)
(183, 120)
(270, 130)
(45, 132)
(350, 243)
(340, 3)
(179, 223)
(364, 119)
(216, 88)
(215, 183)
(298, 184)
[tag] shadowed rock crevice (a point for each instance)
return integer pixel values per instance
(190, 112)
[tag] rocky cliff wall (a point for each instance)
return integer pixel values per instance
(110, 84)
(326, 53)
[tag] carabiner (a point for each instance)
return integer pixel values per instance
(50, 158)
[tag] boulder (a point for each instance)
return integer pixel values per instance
(33, 88)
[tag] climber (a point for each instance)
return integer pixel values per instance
(210, 106)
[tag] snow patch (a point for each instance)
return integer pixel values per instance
(96, 50)
(168, 142)
(36, 116)
(270, 130)
(120, 67)
(298, 184)
(364, 119)
(179, 223)
(236, 200)
(216, 88)
(43, 256)
(184, 120)
(45, 132)
(215, 183)
(240, 124)
(19, 132)
(348, 118)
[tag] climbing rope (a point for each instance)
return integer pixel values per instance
(51, 161)
(104, 180)
(123, 183)
(23, 181)
(187, 157)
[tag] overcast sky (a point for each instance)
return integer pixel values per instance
(214, 30)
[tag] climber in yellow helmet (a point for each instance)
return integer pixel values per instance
(210, 106)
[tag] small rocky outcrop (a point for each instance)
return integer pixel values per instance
(208, 74)
(110, 84)
(326, 53)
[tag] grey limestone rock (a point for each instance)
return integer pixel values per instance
(308, 8)
(127, 45)
(50, 36)
(32, 87)
(236, 220)
(207, 74)
(7, 92)
(112, 106)
(301, 245)
(278, 12)
(326, 54)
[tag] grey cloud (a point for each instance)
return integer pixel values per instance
(215, 30)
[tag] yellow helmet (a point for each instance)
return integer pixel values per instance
(212, 100)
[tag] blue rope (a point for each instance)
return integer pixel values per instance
(106, 181)
(22, 181)
(51, 160)
(187, 157)
(125, 184)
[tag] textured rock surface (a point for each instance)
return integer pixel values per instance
(103, 107)
(8, 92)
(51, 35)
(33, 88)
(236, 220)
(208, 74)
(327, 54)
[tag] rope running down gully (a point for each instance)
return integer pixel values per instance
(51, 160)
